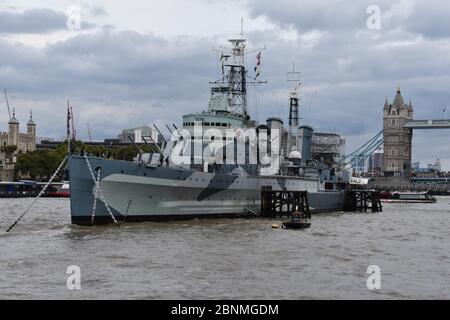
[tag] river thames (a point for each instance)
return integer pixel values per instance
(227, 258)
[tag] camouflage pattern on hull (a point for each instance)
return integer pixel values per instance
(136, 192)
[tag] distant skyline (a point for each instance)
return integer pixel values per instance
(133, 63)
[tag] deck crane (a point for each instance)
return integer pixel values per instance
(7, 104)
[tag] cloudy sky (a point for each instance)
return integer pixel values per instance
(136, 62)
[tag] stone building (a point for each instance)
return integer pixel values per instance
(25, 142)
(397, 139)
(137, 133)
(7, 161)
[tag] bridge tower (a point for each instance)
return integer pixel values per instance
(397, 139)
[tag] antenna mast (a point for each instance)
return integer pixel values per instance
(237, 77)
(7, 104)
(233, 83)
(293, 143)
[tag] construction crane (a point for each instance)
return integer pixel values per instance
(74, 131)
(7, 104)
(89, 132)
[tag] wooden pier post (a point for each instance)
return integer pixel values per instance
(362, 201)
(284, 203)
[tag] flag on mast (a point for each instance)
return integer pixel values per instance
(258, 65)
(222, 63)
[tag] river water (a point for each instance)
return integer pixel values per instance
(227, 258)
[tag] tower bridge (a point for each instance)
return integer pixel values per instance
(427, 124)
(396, 137)
(398, 126)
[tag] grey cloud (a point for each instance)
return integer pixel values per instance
(35, 21)
(427, 18)
(98, 11)
(354, 72)
(114, 79)
(122, 79)
(307, 15)
(430, 18)
(32, 21)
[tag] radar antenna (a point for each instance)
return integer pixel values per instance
(233, 83)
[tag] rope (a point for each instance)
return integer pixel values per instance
(97, 185)
(38, 196)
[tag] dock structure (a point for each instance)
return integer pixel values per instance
(283, 203)
(363, 201)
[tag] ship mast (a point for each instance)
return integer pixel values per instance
(293, 143)
(237, 78)
(233, 82)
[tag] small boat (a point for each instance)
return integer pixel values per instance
(60, 192)
(407, 197)
(298, 221)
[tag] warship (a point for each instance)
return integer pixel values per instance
(215, 165)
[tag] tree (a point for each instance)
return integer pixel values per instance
(38, 165)
(126, 153)
(41, 164)
(8, 149)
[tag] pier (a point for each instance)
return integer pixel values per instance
(433, 186)
(283, 203)
(363, 201)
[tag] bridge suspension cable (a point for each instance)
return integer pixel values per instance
(364, 152)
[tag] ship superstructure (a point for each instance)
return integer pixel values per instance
(216, 164)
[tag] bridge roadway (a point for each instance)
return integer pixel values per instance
(430, 180)
(427, 124)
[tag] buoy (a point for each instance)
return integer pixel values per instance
(275, 226)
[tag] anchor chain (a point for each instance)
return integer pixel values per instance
(39, 195)
(97, 186)
(96, 195)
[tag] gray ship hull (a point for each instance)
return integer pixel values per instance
(136, 192)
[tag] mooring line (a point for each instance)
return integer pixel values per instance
(38, 196)
(97, 185)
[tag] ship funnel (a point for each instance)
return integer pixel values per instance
(305, 135)
(275, 123)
